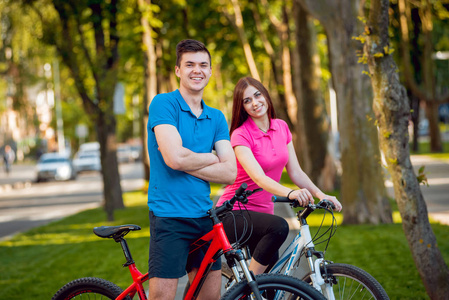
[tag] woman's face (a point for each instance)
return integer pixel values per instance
(254, 102)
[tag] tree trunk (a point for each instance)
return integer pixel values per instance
(322, 169)
(284, 67)
(112, 190)
(392, 112)
(426, 94)
(429, 78)
(290, 97)
(414, 116)
(150, 78)
(237, 19)
(72, 46)
(362, 192)
(278, 97)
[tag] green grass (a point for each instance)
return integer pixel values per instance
(424, 148)
(35, 264)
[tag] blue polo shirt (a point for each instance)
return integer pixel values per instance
(173, 193)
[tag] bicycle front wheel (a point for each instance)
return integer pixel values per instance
(275, 286)
(351, 282)
(88, 288)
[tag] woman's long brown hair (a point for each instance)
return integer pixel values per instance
(239, 114)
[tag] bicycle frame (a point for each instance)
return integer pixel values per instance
(137, 276)
(219, 242)
(291, 255)
(303, 243)
(293, 252)
(287, 264)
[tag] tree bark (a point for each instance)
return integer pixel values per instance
(106, 132)
(427, 93)
(322, 168)
(429, 78)
(150, 77)
(392, 112)
(362, 192)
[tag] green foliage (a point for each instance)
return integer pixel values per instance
(172, 21)
(422, 177)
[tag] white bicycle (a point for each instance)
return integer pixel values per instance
(301, 260)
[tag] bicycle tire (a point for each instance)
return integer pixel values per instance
(351, 280)
(90, 287)
(269, 284)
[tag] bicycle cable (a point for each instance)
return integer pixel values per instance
(247, 224)
(331, 230)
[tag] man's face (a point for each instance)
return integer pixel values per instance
(194, 71)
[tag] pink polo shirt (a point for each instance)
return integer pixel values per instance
(271, 152)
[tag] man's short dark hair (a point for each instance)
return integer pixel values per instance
(185, 46)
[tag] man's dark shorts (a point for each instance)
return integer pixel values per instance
(170, 240)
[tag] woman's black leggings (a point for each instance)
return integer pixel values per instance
(268, 233)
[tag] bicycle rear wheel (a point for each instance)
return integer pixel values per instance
(351, 282)
(275, 286)
(88, 288)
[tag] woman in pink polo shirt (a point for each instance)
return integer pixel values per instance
(263, 147)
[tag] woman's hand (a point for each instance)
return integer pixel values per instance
(303, 196)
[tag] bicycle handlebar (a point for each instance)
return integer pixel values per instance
(229, 204)
(241, 195)
(322, 204)
(240, 190)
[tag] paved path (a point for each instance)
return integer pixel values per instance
(436, 195)
(20, 176)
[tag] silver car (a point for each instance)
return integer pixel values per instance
(87, 161)
(54, 166)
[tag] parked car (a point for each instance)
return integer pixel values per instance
(87, 161)
(91, 146)
(136, 152)
(124, 153)
(54, 166)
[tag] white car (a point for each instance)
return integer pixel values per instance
(87, 161)
(124, 154)
(54, 166)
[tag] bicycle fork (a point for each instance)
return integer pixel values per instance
(237, 255)
(322, 284)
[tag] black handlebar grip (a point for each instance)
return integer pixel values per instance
(281, 199)
(241, 189)
(328, 203)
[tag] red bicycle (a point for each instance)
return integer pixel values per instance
(272, 286)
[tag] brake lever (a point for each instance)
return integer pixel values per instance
(327, 204)
(296, 204)
(249, 193)
(256, 190)
(244, 197)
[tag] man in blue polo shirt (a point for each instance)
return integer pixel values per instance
(182, 132)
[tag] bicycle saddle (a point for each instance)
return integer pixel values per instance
(115, 232)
